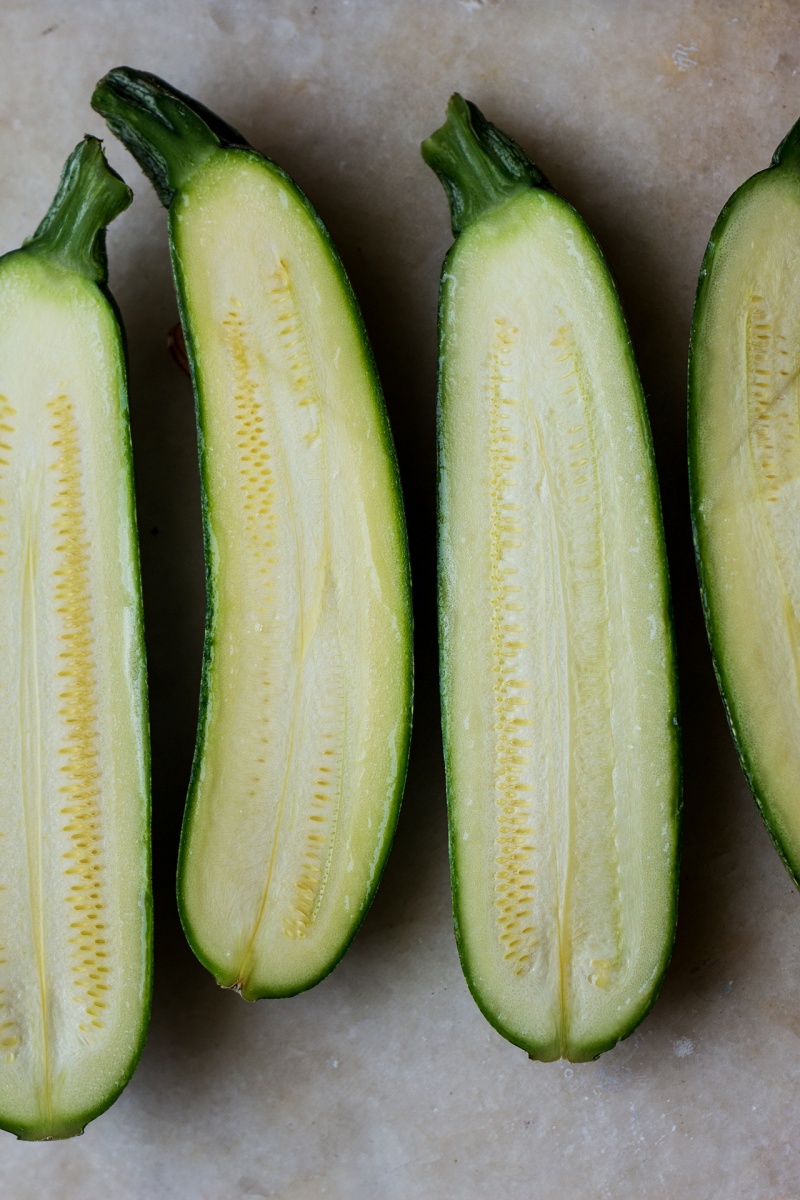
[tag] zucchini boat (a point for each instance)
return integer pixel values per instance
(557, 665)
(744, 467)
(75, 925)
(306, 692)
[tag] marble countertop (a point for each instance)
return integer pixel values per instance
(385, 1080)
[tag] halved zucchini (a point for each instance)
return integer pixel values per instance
(75, 958)
(306, 693)
(557, 666)
(744, 465)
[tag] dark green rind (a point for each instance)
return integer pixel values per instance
(240, 147)
(92, 256)
(786, 159)
(787, 154)
(533, 1049)
(168, 133)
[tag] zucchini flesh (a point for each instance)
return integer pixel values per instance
(306, 695)
(74, 808)
(557, 667)
(744, 459)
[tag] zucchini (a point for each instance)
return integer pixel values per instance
(744, 468)
(557, 665)
(306, 692)
(75, 923)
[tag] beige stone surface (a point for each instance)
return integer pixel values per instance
(385, 1081)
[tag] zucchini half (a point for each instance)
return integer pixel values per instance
(744, 468)
(306, 693)
(557, 665)
(75, 923)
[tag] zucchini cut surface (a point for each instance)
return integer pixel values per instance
(74, 908)
(745, 473)
(305, 705)
(307, 686)
(558, 685)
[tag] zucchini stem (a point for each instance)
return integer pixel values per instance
(479, 166)
(169, 134)
(90, 195)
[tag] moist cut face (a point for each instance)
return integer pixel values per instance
(557, 670)
(746, 482)
(73, 779)
(304, 732)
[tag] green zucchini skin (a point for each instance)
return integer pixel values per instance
(482, 170)
(70, 245)
(127, 99)
(785, 165)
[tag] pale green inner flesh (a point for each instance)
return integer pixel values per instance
(73, 953)
(308, 689)
(746, 367)
(557, 671)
